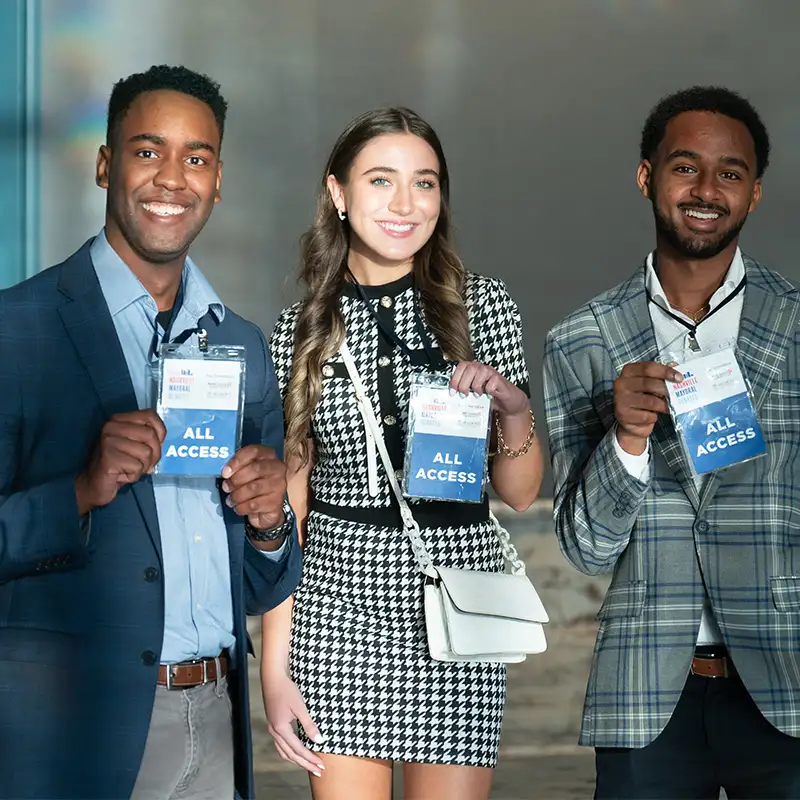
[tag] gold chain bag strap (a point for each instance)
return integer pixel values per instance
(469, 615)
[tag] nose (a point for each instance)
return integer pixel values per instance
(402, 202)
(706, 187)
(171, 175)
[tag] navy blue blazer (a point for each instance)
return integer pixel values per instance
(81, 624)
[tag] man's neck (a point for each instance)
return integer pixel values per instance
(161, 280)
(689, 283)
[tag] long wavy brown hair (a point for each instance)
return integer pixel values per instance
(438, 273)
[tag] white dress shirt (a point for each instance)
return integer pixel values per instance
(713, 333)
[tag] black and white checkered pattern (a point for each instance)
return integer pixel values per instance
(359, 651)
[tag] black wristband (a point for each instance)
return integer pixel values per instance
(274, 533)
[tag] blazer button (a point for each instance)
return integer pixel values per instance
(701, 526)
(148, 658)
(151, 574)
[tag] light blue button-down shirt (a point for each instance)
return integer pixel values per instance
(198, 607)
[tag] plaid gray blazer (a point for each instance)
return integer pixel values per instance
(662, 540)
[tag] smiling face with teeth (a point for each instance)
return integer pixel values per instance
(163, 176)
(393, 200)
(702, 183)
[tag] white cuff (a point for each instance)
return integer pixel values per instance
(637, 466)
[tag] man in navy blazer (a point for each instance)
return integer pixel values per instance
(124, 594)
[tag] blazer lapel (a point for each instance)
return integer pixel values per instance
(766, 330)
(624, 321)
(90, 328)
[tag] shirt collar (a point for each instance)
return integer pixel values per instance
(121, 288)
(733, 278)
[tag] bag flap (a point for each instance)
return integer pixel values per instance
(496, 594)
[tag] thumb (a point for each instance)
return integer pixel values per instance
(308, 725)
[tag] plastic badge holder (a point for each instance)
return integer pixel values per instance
(200, 398)
(714, 413)
(447, 446)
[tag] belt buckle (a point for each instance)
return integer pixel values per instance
(170, 676)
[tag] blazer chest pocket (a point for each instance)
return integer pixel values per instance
(786, 593)
(623, 600)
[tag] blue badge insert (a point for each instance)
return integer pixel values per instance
(200, 400)
(447, 442)
(714, 413)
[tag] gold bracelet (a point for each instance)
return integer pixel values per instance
(503, 448)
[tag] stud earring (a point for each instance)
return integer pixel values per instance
(342, 215)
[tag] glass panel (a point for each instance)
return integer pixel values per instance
(18, 149)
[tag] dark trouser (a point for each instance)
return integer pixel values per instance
(716, 738)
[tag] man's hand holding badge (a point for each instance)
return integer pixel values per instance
(255, 480)
(129, 447)
(640, 395)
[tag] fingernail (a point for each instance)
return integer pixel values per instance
(226, 471)
(229, 502)
(319, 738)
(452, 392)
(226, 487)
(464, 395)
(475, 394)
(318, 774)
(321, 766)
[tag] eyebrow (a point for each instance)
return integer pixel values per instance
(394, 171)
(731, 161)
(154, 138)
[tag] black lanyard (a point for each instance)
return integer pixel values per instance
(156, 343)
(435, 358)
(692, 327)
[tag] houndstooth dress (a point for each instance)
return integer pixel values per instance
(358, 646)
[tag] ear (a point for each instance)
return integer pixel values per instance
(336, 191)
(644, 176)
(756, 197)
(218, 189)
(102, 167)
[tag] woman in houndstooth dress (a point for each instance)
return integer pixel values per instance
(378, 255)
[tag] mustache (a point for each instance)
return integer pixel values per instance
(704, 207)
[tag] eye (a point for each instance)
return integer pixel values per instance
(685, 169)
(196, 161)
(380, 181)
(425, 184)
(146, 154)
(730, 176)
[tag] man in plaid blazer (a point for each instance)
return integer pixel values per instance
(695, 680)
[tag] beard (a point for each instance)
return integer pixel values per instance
(698, 245)
(151, 245)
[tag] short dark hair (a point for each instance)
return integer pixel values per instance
(176, 79)
(715, 99)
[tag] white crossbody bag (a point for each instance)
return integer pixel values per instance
(469, 615)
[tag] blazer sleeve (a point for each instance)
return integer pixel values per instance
(40, 530)
(267, 582)
(596, 500)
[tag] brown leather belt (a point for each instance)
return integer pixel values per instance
(192, 673)
(713, 666)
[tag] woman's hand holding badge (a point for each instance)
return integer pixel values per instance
(507, 399)
(517, 468)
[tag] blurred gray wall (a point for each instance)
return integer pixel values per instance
(539, 104)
